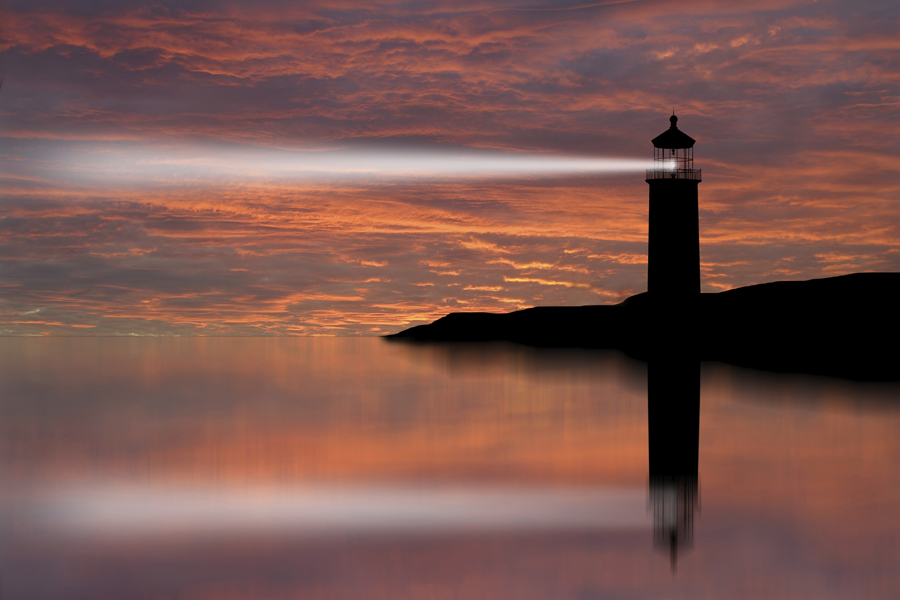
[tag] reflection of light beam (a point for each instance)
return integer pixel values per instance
(219, 163)
(115, 509)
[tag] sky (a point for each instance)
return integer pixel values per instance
(353, 168)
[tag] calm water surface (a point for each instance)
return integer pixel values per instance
(358, 468)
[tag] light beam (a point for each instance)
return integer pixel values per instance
(107, 162)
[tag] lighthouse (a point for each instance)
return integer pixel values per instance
(673, 265)
(673, 371)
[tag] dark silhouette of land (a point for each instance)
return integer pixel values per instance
(843, 326)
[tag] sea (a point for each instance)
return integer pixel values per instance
(357, 468)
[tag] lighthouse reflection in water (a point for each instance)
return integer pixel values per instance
(673, 415)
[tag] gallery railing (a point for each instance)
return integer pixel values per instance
(690, 174)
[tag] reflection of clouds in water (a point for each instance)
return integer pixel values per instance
(800, 391)
(298, 409)
(103, 437)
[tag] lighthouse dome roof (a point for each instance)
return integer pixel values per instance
(673, 137)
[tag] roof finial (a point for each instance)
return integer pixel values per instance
(673, 119)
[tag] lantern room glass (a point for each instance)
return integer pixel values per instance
(673, 159)
(673, 163)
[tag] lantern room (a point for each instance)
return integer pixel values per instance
(673, 155)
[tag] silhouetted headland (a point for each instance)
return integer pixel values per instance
(843, 326)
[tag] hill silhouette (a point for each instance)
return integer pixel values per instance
(843, 326)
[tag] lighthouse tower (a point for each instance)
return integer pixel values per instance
(673, 270)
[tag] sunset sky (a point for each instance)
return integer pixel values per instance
(352, 168)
